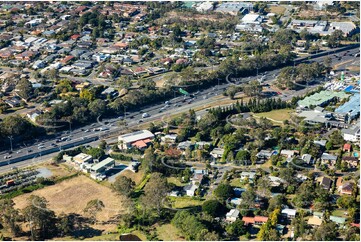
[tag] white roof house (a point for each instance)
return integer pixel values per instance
(246, 174)
(289, 212)
(232, 215)
(190, 189)
(204, 7)
(217, 152)
(252, 18)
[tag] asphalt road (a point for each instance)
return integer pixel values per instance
(202, 98)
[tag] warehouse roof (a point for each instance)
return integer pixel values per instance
(320, 98)
(104, 163)
(352, 106)
(135, 136)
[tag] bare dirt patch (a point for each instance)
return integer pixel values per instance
(72, 196)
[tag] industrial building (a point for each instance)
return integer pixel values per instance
(82, 158)
(103, 165)
(349, 110)
(321, 99)
(139, 139)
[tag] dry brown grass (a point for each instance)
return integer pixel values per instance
(277, 9)
(71, 196)
(136, 177)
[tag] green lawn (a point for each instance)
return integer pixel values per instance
(276, 115)
(236, 182)
(168, 232)
(185, 202)
(176, 181)
(339, 213)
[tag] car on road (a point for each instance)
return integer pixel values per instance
(145, 115)
(29, 151)
(139, 121)
(86, 131)
(7, 156)
(41, 147)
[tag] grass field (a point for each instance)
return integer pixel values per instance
(185, 202)
(276, 115)
(175, 181)
(236, 182)
(277, 9)
(72, 196)
(168, 232)
(339, 213)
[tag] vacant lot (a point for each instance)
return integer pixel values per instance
(276, 115)
(168, 232)
(277, 9)
(185, 202)
(72, 196)
(137, 177)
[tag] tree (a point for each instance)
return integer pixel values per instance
(248, 198)
(213, 208)
(9, 216)
(231, 91)
(123, 185)
(223, 191)
(42, 221)
(93, 207)
(25, 89)
(263, 187)
(267, 232)
(254, 88)
(326, 232)
(65, 224)
(96, 153)
(236, 228)
(103, 144)
(242, 157)
(155, 191)
(188, 224)
(87, 94)
(97, 107)
(205, 235)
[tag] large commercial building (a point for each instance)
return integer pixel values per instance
(140, 139)
(321, 99)
(349, 110)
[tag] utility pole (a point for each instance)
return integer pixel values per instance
(125, 114)
(11, 142)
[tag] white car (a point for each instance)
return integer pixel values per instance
(86, 131)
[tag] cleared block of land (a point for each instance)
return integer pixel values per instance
(168, 232)
(72, 196)
(277, 9)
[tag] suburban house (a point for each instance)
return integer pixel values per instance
(328, 159)
(289, 153)
(289, 213)
(325, 183)
(351, 161)
(190, 189)
(232, 215)
(33, 114)
(346, 188)
(338, 220)
(139, 139)
(249, 175)
(254, 220)
(307, 158)
(314, 221)
(217, 152)
(347, 147)
(265, 154)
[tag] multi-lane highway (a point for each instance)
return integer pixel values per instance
(104, 128)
